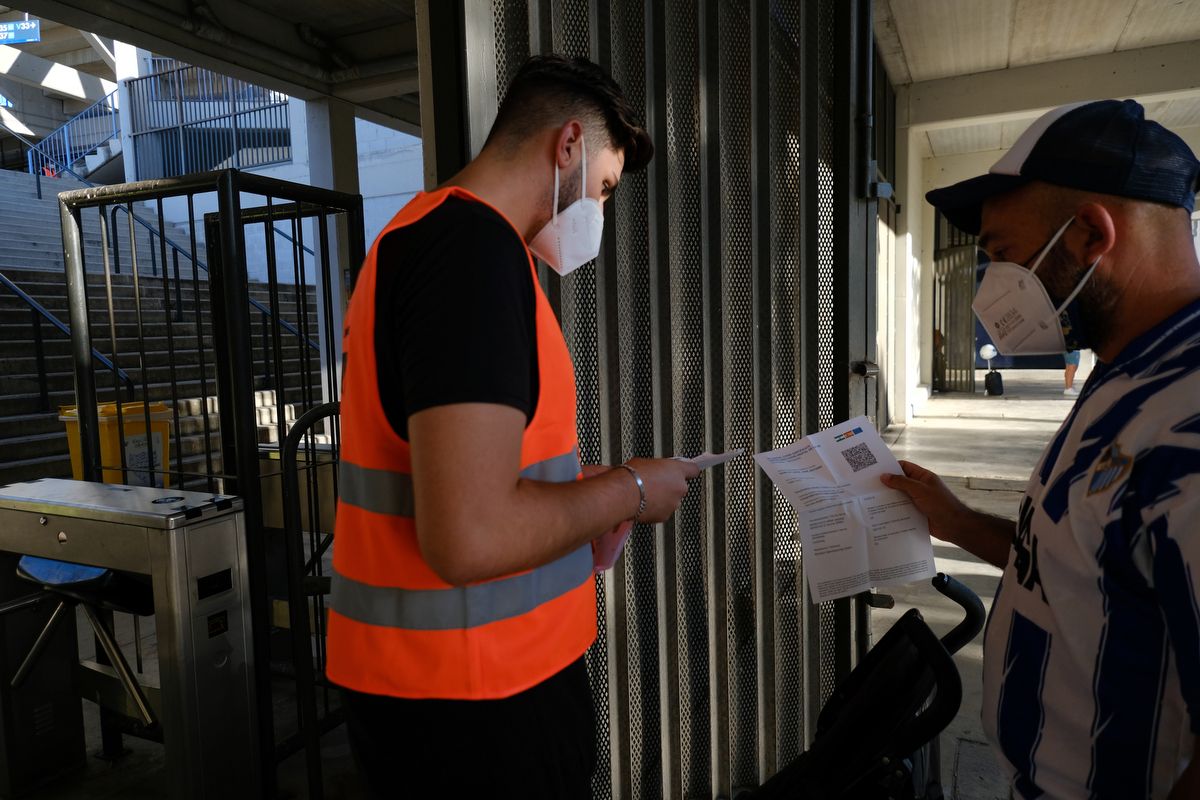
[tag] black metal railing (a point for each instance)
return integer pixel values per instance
(187, 119)
(176, 250)
(307, 581)
(78, 137)
(40, 314)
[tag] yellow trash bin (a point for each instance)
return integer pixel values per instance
(144, 464)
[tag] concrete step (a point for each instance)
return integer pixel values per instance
(153, 296)
(36, 445)
(17, 331)
(156, 324)
(30, 469)
(155, 317)
(30, 456)
(57, 344)
(31, 280)
(29, 424)
(152, 293)
(48, 423)
(31, 402)
(26, 362)
(30, 383)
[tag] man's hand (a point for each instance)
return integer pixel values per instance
(950, 519)
(665, 479)
(929, 493)
(666, 482)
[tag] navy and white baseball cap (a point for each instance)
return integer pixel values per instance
(1105, 146)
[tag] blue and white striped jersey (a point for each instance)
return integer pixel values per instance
(1092, 650)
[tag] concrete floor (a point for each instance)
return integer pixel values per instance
(984, 448)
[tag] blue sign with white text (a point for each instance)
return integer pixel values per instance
(22, 31)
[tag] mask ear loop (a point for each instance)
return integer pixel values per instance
(583, 178)
(1079, 287)
(554, 215)
(1046, 249)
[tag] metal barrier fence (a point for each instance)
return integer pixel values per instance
(74, 140)
(730, 307)
(232, 390)
(189, 119)
(955, 265)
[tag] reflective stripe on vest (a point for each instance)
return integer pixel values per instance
(382, 491)
(386, 492)
(461, 606)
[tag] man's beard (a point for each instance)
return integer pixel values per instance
(1095, 304)
(568, 188)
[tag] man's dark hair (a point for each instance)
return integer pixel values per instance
(550, 89)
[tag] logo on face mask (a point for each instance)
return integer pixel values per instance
(1010, 320)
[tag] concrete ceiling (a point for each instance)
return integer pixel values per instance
(65, 45)
(925, 42)
(360, 51)
(1173, 114)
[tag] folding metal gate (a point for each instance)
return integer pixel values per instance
(731, 297)
(954, 268)
(234, 337)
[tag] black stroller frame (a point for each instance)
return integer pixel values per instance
(877, 735)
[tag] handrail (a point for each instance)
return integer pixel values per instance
(60, 137)
(283, 323)
(41, 311)
(287, 326)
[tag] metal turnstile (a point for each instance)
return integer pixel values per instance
(192, 545)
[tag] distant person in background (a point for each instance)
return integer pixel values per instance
(1072, 359)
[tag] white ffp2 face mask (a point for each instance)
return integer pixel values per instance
(1016, 310)
(571, 239)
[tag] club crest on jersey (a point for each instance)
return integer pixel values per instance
(1112, 466)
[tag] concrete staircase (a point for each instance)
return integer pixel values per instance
(33, 441)
(32, 229)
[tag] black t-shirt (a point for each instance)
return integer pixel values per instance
(455, 316)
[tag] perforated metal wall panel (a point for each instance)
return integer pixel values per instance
(788, 173)
(710, 321)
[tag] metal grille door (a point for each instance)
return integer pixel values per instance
(717, 316)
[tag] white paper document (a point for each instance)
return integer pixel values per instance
(855, 533)
(707, 460)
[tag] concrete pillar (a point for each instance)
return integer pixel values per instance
(332, 164)
(905, 378)
(131, 63)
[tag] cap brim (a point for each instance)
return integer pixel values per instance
(962, 203)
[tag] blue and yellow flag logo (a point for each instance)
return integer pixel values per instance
(1110, 469)
(841, 437)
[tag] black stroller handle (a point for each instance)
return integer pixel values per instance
(971, 605)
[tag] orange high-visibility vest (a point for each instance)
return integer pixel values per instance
(396, 628)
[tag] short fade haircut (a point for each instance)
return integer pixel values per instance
(550, 89)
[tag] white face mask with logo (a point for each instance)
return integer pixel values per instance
(571, 239)
(1016, 310)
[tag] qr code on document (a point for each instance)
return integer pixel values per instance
(860, 457)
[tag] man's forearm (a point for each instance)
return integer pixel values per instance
(537, 523)
(562, 517)
(985, 536)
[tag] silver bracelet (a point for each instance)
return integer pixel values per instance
(641, 490)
